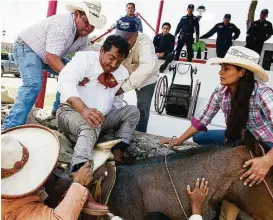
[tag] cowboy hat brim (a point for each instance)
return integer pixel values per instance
(44, 148)
(97, 22)
(258, 71)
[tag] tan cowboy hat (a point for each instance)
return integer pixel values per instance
(243, 57)
(5, 98)
(29, 154)
(92, 9)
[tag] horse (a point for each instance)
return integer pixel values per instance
(146, 187)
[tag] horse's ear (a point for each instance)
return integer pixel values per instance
(252, 144)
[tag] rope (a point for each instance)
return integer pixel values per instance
(170, 177)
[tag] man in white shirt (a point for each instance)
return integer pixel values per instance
(142, 64)
(44, 45)
(88, 85)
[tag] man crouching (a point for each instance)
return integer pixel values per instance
(88, 85)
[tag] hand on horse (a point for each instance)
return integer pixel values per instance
(93, 117)
(198, 195)
(83, 176)
(256, 173)
(170, 142)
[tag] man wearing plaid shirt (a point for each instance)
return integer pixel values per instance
(44, 45)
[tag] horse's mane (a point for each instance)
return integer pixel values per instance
(184, 154)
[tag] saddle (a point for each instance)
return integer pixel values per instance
(104, 175)
(101, 186)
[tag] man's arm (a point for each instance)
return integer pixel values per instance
(210, 33)
(179, 26)
(140, 28)
(147, 63)
(171, 45)
(236, 32)
(155, 41)
(269, 31)
(57, 43)
(249, 30)
(54, 62)
(197, 28)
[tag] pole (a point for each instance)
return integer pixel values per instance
(159, 15)
(52, 8)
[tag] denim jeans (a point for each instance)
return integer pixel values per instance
(218, 137)
(144, 99)
(47, 68)
(30, 66)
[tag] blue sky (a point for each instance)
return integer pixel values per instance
(17, 15)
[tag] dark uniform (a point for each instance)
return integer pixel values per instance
(185, 28)
(164, 44)
(224, 37)
(257, 35)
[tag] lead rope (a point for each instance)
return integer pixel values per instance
(264, 181)
(170, 177)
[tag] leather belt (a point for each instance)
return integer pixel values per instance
(20, 41)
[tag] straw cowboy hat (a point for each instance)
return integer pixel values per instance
(29, 154)
(243, 57)
(92, 9)
(5, 98)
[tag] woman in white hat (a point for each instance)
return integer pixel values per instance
(28, 156)
(246, 102)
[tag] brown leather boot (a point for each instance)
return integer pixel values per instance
(91, 207)
(118, 156)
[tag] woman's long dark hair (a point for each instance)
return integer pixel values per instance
(239, 112)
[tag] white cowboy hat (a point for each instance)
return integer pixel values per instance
(92, 9)
(243, 57)
(29, 154)
(5, 98)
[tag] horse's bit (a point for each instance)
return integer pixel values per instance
(170, 177)
(264, 181)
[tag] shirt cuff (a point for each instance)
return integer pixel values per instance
(196, 217)
(198, 125)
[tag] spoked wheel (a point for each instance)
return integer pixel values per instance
(160, 94)
(194, 99)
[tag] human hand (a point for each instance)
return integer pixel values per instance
(161, 55)
(83, 176)
(198, 195)
(170, 141)
(119, 92)
(256, 173)
(197, 39)
(92, 116)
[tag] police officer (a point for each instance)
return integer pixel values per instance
(258, 32)
(224, 32)
(185, 29)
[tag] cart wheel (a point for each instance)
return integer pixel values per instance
(160, 94)
(194, 99)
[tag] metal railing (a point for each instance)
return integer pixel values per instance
(114, 27)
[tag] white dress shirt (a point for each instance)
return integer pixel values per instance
(93, 94)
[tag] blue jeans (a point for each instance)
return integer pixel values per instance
(218, 137)
(47, 68)
(30, 66)
(144, 99)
